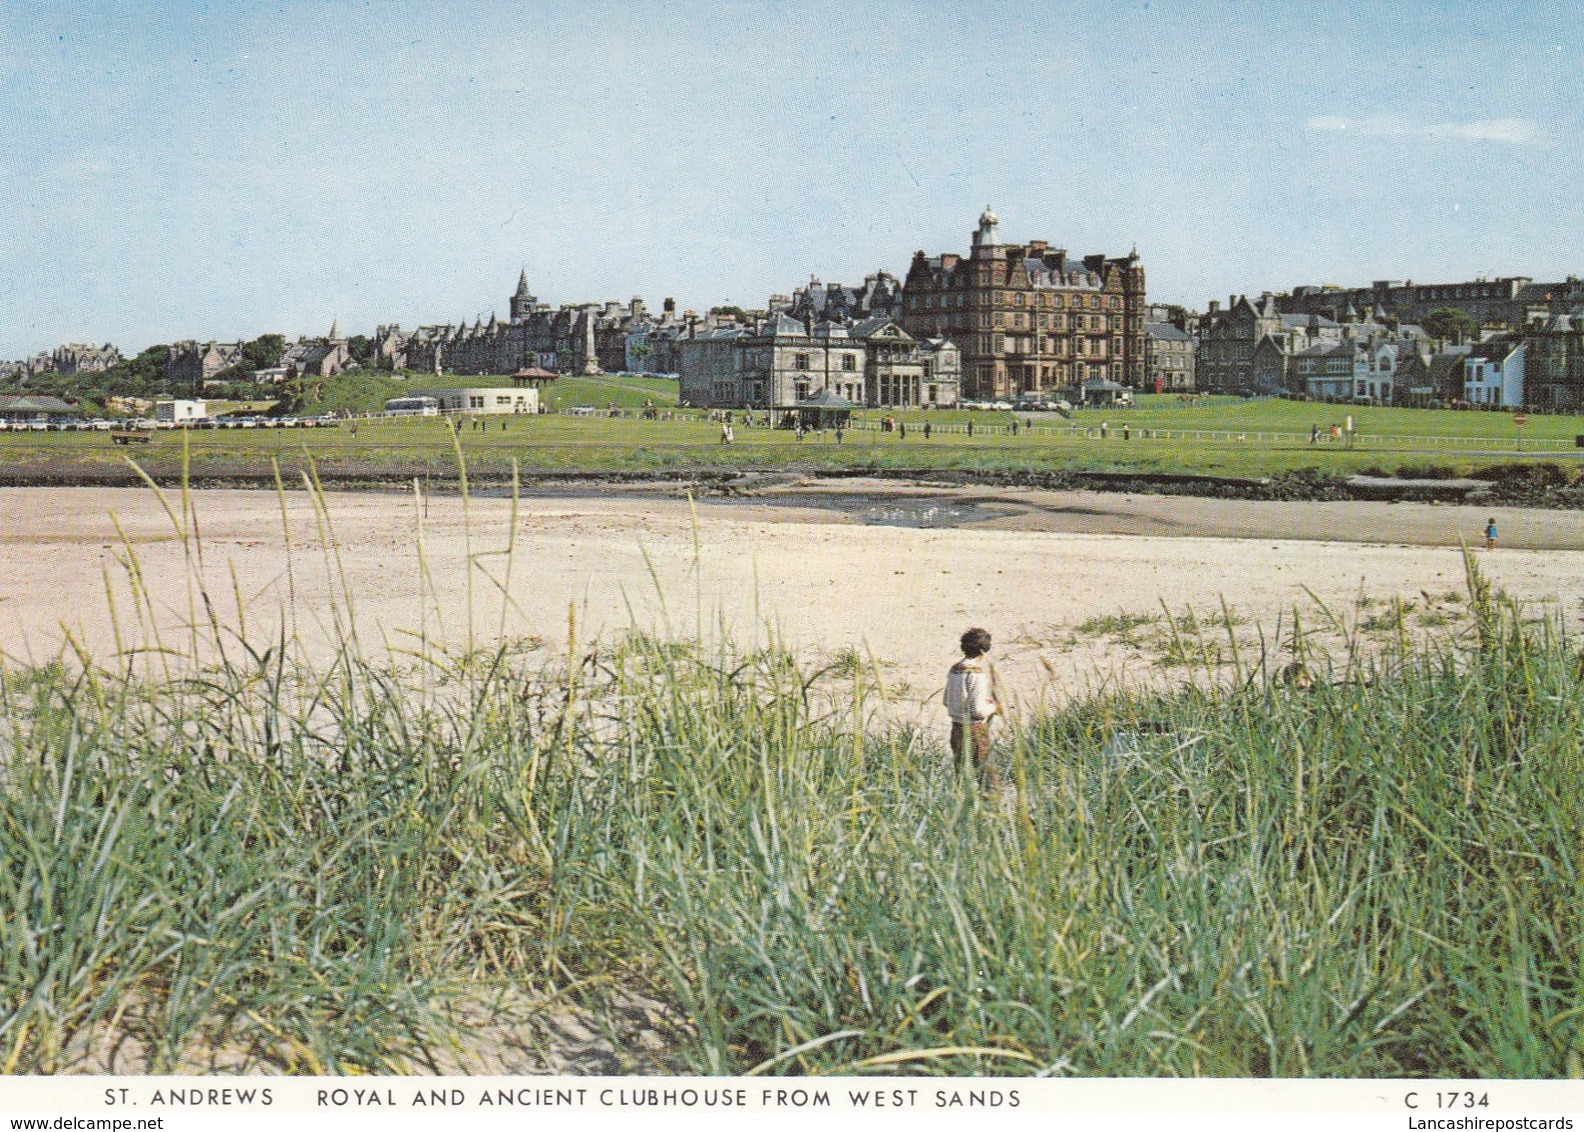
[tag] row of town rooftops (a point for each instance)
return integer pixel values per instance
(1510, 302)
(781, 325)
(1044, 270)
(594, 331)
(1509, 287)
(609, 311)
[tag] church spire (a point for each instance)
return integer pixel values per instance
(523, 303)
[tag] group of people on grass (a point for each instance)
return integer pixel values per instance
(1334, 432)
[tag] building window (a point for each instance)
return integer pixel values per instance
(849, 363)
(800, 361)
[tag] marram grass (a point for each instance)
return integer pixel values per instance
(1371, 872)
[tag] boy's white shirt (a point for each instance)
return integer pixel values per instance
(968, 695)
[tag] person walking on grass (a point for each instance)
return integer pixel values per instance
(970, 701)
(1490, 534)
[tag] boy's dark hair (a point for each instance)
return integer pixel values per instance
(975, 642)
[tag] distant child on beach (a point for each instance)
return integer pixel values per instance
(1490, 534)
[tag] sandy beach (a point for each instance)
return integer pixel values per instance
(822, 566)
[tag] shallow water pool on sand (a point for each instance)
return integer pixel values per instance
(923, 514)
(929, 514)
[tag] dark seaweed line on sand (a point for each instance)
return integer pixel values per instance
(1520, 485)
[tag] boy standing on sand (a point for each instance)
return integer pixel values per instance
(970, 701)
(1490, 534)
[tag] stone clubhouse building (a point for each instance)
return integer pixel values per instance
(782, 363)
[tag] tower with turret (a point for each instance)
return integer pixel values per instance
(1030, 320)
(986, 238)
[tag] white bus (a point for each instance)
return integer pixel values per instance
(412, 407)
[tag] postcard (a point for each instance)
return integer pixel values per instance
(886, 562)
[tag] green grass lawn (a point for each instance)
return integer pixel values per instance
(1298, 416)
(1272, 415)
(1253, 438)
(597, 391)
(607, 389)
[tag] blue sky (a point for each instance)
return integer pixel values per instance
(218, 171)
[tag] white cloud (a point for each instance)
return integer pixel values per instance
(1515, 131)
(1511, 131)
